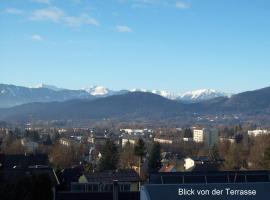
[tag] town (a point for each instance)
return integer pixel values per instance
(88, 160)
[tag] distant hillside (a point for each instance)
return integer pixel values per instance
(11, 95)
(142, 105)
(130, 105)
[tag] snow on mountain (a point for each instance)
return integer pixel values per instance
(166, 94)
(98, 91)
(51, 87)
(193, 96)
(201, 95)
(163, 93)
(11, 95)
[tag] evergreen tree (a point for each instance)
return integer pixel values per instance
(267, 157)
(109, 157)
(214, 156)
(188, 133)
(127, 157)
(154, 163)
(48, 140)
(140, 151)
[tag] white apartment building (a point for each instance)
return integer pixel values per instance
(207, 136)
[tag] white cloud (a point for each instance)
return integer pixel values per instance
(123, 29)
(42, 1)
(14, 11)
(53, 14)
(57, 15)
(37, 37)
(179, 4)
(182, 5)
(78, 21)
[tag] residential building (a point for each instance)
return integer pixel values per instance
(128, 181)
(179, 185)
(23, 160)
(97, 139)
(30, 146)
(207, 136)
(163, 140)
(201, 163)
(132, 139)
(69, 141)
(258, 132)
(190, 163)
(167, 169)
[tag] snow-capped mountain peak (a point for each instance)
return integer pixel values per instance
(201, 95)
(163, 93)
(97, 91)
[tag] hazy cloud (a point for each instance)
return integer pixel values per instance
(13, 11)
(57, 15)
(182, 5)
(42, 1)
(168, 3)
(37, 37)
(80, 20)
(53, 14)
(123, 29)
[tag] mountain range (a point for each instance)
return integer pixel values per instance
(11, 95)
(145, 106)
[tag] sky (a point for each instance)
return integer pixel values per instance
(174, 45)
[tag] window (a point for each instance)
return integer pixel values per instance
(75, 187)
(124, 187)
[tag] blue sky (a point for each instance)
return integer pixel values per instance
(176, 45)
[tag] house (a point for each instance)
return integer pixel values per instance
(132, 139)
(128, 181)
(23, 160)
(190, 163)
(33, 181)
(29, 145)
(70, 175)
(201, 163)
(231, 140)
(187, 139)
(258, 132)
(167, 169)
(65, 142)
(97, 140)
(163, 140)
(179, 185)
(207, 136)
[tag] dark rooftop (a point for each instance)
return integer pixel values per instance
(22, 160)
(110, 176)
(210, 177)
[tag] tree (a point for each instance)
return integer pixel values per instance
(259, 152)
(15, 148)
(32, 135)
(233, 158)
(140, 151)
(109, 156)
(48, 140)
(214, 156)
(154, 162)
(188, 133)
(267, 157)
(63, 156)
(127, 157)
